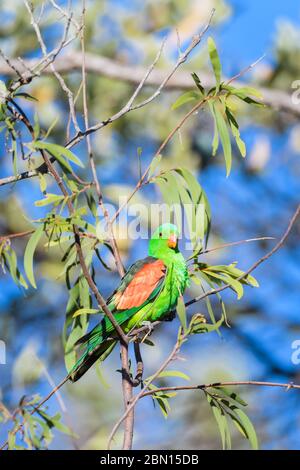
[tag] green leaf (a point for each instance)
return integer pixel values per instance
(174, 373)
(29, 252)
(215, 142)
(58, 152)
(168, 187)
(43, 182)
(36, 127)
(248, 427)
(181, 312)
(154, 164)
(163, 405)
(198, 324)
(236, 285)
(49, 199)
(198, 83)
(236, 133)
(179, 186)
(85, 311)
(189, 211)
(252, 281)
(14, 154)
(224, 137)
(215, 61)
(11, 259)
(221, 421)
(192, 184)
(174, 191)
(211, 313)
(56, 420)
(243, 92)
(228, 395)
(185, 98)
(50, 129)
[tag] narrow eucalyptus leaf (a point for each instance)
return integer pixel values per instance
(29, 253)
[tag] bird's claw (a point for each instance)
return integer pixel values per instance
(148, 324)
(150, 328)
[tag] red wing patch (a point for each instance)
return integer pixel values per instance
(142, 285)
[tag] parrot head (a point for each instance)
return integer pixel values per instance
(164, 240)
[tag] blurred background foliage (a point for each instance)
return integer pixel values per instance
(256, 200)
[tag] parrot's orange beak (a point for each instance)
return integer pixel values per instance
(172, 241)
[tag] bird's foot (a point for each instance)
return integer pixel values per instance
(150, 328)
(149, 325)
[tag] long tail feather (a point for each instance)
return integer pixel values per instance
(89, 358)
(99, 343)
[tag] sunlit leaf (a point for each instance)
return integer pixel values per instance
(85, 311)
(174, 373)
(181, 312)
(221, 421)
(215, 60)
(49, 199)
(154, 165)
(29, 252)
(58, 152)
(224, 137)
(185, 98)
(236, 133)
(248, 427)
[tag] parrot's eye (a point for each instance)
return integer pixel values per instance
(160, 234)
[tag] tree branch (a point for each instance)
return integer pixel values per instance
(100, 65)
(287, 386)
(239, 242)
(60, 79)
(137, 397)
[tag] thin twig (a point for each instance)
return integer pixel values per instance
(139, 364)
(245, 70)
(239, 242)
(10, 236)
(257, 383)
(60, 79)
(10, 63)
(36, 67)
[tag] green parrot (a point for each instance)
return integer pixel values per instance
(148, 292)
